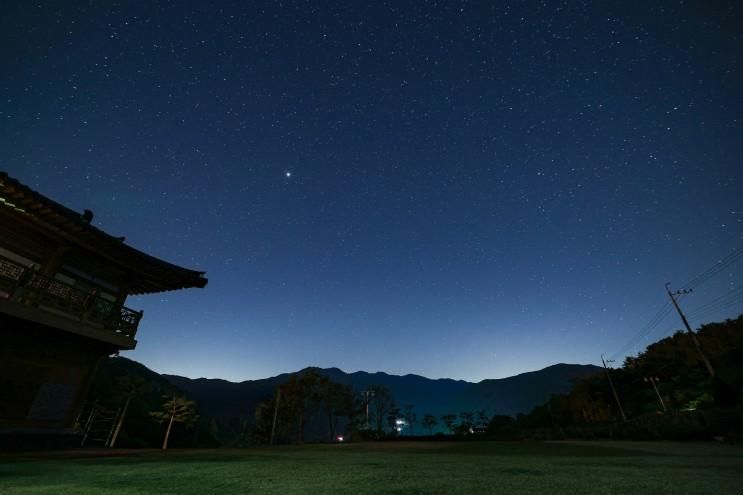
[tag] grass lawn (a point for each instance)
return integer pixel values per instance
(394, 467)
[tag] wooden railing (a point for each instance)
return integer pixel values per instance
(26, 286)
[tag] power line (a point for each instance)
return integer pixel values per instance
(646, 329)
(666, 308)
(702, 319)
(659, 314)
(715, 269)
(703, 277)
(723, 299)
(722, 305)
(717, 309)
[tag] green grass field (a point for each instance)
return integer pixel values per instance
(394, 467)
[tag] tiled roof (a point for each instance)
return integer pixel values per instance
(149, 274)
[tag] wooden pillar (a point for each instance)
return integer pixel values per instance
(122, 295)
(52, 264)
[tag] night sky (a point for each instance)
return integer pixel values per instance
(452, 189)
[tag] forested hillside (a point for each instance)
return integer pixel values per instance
(664, 392)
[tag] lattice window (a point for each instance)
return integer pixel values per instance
(10, 270)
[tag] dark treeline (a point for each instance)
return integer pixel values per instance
(306, 398)
(312, 407)
(688, 404)
(665, 392)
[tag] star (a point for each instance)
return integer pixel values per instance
(288, 174)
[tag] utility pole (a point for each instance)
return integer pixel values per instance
(611, 384)
(693, 336)
(275, 414)
(653, 380)
(368, 394)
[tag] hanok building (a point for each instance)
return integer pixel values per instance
(63, 286)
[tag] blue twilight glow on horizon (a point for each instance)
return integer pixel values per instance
(460, 189)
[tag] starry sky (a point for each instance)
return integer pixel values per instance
(452, 189)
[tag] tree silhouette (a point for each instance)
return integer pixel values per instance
(381, 404)
(448, 420)
(337, 401)
(482, 419)
(468, 422)
(129, 387)
(429, 421)
(300, 398)
(175, 410)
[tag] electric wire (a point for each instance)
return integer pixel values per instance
(732, 294)
(646, 329)
(725, 262)
(716, 309)
(719, 303)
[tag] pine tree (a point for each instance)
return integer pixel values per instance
(175, 410)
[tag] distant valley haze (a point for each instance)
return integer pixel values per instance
(508, 396)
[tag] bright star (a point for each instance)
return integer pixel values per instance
(288, 174)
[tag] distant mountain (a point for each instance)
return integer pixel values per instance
(230, 401)
(521, 393)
